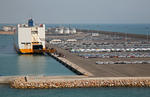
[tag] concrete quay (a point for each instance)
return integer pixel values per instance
(80, 82)
(7, 79)
(107, 70)
(75, 68)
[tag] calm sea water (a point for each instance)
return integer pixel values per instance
(5, 91)
(13, 64)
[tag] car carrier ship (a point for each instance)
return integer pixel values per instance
(30, 38)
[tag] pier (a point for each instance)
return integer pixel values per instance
(8, 79)
(73, 67)
(107, 70)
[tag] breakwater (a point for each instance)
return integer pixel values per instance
(140, 36)
(80, 82)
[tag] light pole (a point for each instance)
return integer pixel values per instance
(147, 29)
(147, 36)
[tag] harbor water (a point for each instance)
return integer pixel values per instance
(13, 64)
(5, 91)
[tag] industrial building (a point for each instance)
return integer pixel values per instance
(8, 28)
(62, 30)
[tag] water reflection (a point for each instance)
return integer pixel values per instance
(31, 65)
(13, 64)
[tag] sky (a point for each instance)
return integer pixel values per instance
(76, 11)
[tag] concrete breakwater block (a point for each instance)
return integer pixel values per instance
(81, 82)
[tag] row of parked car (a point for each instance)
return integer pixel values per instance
(117, 55)
(110, 50)
(123, 62)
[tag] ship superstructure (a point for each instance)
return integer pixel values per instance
(30, 38)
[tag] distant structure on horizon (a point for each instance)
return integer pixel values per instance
(62, 30)
(9, 28)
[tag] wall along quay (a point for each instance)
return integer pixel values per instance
(73, 67)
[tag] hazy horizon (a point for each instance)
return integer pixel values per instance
(80, 23)
(75, 11)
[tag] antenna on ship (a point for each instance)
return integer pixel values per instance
(147, 34)
(126, 38)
